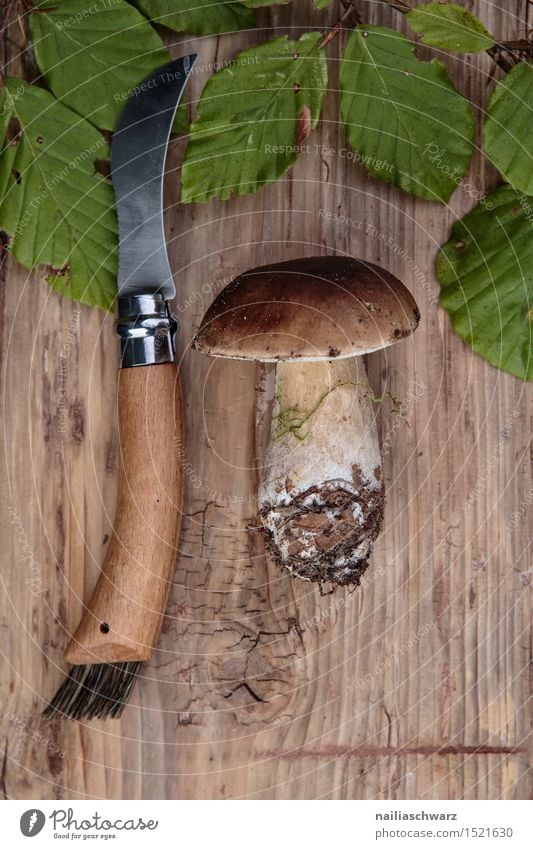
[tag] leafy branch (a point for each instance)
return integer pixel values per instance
(350, 14)
(406, 121)
(505, 54)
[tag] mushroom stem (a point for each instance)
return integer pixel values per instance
(321, 494)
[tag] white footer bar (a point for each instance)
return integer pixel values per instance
(269, 824)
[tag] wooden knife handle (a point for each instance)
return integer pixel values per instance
(123, 618)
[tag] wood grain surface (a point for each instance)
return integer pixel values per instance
(416, 685)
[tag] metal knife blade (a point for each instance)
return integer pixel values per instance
(138, 153)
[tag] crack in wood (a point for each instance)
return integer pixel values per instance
(244, 685)
(3, 774)
(365, 750)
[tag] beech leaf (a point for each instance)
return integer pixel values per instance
(252, 117)
(202, 17)
(507, 132)
(404, 117)
(56, 208)
(486, 275)
(256, 4)
(450, 27)
(92, 57)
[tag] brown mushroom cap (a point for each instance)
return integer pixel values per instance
(308, 309)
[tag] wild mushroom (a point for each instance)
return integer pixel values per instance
(321, 493)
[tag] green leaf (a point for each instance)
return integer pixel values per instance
(93, 56)
(181, 120)
(202, 17)
(321, 4)
(255, 4)
(507, 134)
(450, 27)
(253, 115)
(58, 212)
(404, 117)
(486, 277)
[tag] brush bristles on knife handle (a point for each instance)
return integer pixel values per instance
(124, 616)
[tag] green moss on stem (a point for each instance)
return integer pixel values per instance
(292, 419)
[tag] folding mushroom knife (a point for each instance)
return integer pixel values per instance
(123, 618)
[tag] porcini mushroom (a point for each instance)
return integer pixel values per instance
(321, 491)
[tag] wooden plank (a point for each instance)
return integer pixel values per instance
(415, 686)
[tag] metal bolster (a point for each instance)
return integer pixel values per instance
(146, 328)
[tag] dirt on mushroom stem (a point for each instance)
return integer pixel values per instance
(321, 495)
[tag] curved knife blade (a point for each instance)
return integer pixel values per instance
(138, 153)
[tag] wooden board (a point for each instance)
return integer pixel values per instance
(416, 685)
